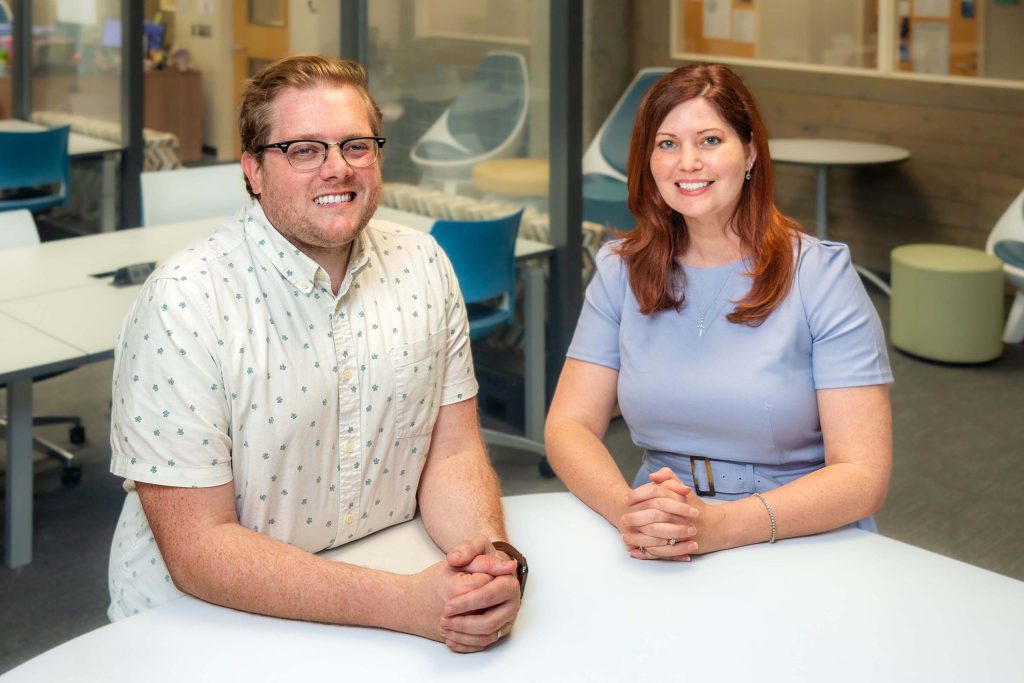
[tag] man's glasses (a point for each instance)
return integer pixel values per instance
(309, 155)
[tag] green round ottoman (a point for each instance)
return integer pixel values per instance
(947, 303)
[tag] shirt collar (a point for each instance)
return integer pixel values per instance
(300, 270)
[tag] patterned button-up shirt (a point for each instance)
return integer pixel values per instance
(238, 364)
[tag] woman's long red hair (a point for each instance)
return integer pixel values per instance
(766, 236)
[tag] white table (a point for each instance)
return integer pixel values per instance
(55, 315)
(842, 606)
(81, 147)
(822, 154)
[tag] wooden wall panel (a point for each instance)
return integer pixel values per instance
(966, 143)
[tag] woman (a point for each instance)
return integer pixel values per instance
(745, 356)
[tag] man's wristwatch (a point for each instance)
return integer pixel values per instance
(522, 571)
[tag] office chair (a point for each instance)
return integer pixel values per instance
(604, 162)
(487, 120)
(483, 255)
(184, 194)
(18, 229)
(36, 172)
(1006, 241)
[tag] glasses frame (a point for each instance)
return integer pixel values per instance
(285, 144)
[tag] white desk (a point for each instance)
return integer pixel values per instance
(821, 154)
(84, 146)
(843, 606)
(55, 315)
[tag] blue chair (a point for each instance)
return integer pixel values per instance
(604, 162)
(17, 230)
(487, 120)
(483, 254)
(36, 172)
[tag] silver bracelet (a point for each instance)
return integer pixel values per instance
(771, 515)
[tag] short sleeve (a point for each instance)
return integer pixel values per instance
(597, 333)
(170, 412)
(848, 344)
(459, 379)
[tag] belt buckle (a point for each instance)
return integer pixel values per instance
(710, 477)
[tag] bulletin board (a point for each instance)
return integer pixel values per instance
(717, 27)
(940, 36)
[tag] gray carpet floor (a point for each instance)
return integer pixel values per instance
(959, 461)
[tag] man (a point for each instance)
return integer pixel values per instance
(299, 380)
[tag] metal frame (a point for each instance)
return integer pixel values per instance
(565, 189)
(132, 114)
(21, 75)
(354, 22)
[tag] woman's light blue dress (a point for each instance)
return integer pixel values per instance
(742, 397)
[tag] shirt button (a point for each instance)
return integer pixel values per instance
(348, 518)
(347, 375)
(349, 447)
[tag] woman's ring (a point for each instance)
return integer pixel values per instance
(642, 549)
(671, 541)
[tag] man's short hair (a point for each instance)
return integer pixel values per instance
(295, 71)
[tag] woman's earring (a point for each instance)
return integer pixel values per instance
(748, 174)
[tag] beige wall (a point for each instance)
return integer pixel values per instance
(211, 55)
(966, 144)
(314, 26)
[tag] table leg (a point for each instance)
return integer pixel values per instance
(18, 502)
(534, 290)
(821, 203)
(874, 279)
(108, 193)
(821, 226)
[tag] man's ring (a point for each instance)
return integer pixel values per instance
(671, 541)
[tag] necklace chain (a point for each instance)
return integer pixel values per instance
(701, 328)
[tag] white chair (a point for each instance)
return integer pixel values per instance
(18, 229)
(184, 194)
(604, 162)
(1007, 242)
(487, 120)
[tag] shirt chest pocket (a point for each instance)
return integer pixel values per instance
(419, 376)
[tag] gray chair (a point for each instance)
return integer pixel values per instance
(18, 229)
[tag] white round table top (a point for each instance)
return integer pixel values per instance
(824, 152)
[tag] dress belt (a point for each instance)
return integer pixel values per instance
(709, 477)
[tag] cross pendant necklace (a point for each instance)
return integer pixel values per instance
(703, 312)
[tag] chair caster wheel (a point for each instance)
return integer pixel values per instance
(77, 434)
(545, 469)
(71, 476)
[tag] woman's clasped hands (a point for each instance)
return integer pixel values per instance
(664, 520)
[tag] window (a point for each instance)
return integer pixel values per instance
(960, 38)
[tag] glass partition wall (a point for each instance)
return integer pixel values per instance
(463, 87)
(464, 92)
(76, 59)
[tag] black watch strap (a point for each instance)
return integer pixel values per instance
(523, 570)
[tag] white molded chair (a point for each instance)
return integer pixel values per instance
(604, 162)
(487, 120)
(1007, 242)
(18, 229)
(184, 194)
